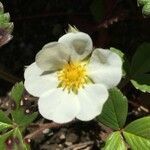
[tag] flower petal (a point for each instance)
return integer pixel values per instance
(80, 43)
(53, 56)
(105, 67)
(37, 84)
(91, 99)
(59, 106)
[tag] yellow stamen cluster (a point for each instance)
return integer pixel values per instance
(73, 76)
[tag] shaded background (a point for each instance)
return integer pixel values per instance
(110, 23)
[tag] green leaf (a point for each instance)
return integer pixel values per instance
(19, 116)
(115, 110)
(4, 18)
(18, 136)
(4, 118)
(5, 122)
(16, 93)
(3, 139)
(140, 68)
(5, 22)
(137, 134)
(6, 26)
(1, 8)
(136, 142)
(9, 27)
(142, 2)
(141, 62)
(17, 140)
(97, 9)
(115, 141)
(146, 6)
(142, 83)
(140, 127)
(4, 126)
(23, 119)
(146, 9)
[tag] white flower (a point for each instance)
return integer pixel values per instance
(71, 79)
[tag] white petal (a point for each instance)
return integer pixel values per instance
(59, 106)
(80, 43)
(91, 99)
(105, 67)
(36, 84)
(53, 56)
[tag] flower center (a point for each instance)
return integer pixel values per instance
(73, 76)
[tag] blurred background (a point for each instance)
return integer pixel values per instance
(110, 23)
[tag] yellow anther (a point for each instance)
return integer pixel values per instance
(73, 76)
